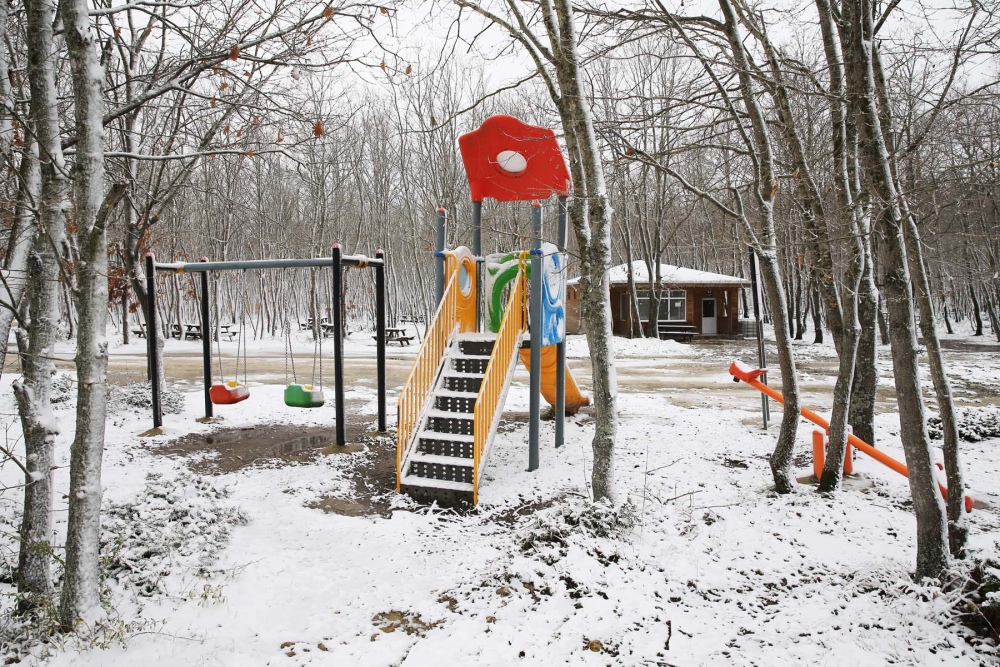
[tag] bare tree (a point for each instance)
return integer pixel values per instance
(38, 343)
(558, 64)
(932, 543)
(81, 582)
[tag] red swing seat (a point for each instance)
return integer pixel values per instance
(227, 393)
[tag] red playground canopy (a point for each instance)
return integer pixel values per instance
(510, 161)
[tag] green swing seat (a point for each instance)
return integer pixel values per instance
(304, 396)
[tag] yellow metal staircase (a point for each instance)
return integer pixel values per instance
(451, 404)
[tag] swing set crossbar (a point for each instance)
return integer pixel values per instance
(325, 262)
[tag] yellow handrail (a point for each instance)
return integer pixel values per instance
(424, 371)
(504, 349)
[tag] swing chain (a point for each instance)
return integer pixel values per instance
(289, 354)
(218, 349)
(243, 333)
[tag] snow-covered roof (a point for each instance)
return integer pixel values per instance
(669, 275)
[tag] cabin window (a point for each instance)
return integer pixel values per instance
(673, 305)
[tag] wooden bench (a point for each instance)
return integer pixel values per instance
(676, 331)
(141, 333)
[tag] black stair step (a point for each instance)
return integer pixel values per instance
(467, 384)
(441, 471)
(443, 497)
(466, 365)
(477, 347)
(437, 447)
(455, 403)
(461, 423)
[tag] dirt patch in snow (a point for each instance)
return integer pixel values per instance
(229, 450)
(965, 345)
(373, 477)
(408, 622)
(513, 515)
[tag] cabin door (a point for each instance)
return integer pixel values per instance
(708, 320)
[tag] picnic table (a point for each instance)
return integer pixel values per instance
(307, 325)
(228, 331)
(396, 335)
(193, 331)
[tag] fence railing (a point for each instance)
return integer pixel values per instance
(425, 370)
(504, 352)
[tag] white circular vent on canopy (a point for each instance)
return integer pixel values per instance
(512, 162)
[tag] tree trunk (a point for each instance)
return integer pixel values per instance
(799, 315)
(33, 392)
(992, 312)
(592, 226)
(947, 320)
(766, 187)
(862, 415)
(22, 235)
(957, 527)
(784, 449)
(81, 582)
(958, 530)
(633, 314)
(125, 324)
(977, 318)
(932, 549)
(883, 322)
(816, 313)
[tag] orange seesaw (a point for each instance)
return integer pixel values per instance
(741, 371)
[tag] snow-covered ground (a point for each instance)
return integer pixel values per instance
(703, 565)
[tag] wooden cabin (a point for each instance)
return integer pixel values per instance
(692, 302)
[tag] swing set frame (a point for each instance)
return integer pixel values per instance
(337, 261)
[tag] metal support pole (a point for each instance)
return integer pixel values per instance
(535, 384)
(759, 327)
(380, 338)
(206, 341)
(560, 407)
(151, 337)
(477, 250)
(439, 260)
(338, 346)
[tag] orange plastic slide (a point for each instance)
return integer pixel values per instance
(574, 399)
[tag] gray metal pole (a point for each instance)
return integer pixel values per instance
(380, 339)
(151, 338)
(560, 407)
(338, 347)
(535, 384)
(477, 250)
(759, 327)
(206, 341)
(439, 260)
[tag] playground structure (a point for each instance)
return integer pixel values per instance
(452, 401)
(744, 373)
(296, 394)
